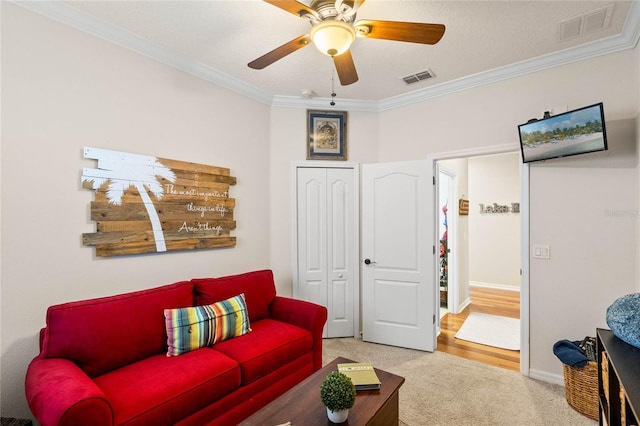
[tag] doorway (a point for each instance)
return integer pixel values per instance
(486, 256)
(447, 235)
(484, 300)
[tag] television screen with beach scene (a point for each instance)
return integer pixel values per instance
(571, 133)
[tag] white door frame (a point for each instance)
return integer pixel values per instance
(524, 232)
(452, 235)
(356, 212)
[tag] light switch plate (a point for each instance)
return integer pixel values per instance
(541, 252)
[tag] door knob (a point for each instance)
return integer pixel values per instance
(368, 262)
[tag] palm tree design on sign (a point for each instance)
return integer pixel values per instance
(124, 170)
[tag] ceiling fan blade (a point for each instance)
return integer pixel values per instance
(356, 3)
(279, 52)
(345, 68)
(291, 6)
(412, 32)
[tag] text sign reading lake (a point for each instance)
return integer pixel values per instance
(146, 204)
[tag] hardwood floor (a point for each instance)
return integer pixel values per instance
(488, 301)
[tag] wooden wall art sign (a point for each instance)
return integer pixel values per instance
(463, 207)
(145, 204)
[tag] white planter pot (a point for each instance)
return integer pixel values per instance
(338, 416)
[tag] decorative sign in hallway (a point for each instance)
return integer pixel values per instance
(497, 208)
(145, 204)
(463, 207)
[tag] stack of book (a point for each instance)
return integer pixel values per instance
(362, 375)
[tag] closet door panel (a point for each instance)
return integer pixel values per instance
(341, 245)
(312, 228)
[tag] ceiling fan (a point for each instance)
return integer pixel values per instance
(333, 30)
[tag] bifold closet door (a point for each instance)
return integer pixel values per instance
(326, 241)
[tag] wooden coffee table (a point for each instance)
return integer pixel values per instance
(301, 405)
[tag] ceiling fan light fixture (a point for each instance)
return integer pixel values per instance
(333, 37)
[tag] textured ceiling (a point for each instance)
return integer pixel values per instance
(480, 36)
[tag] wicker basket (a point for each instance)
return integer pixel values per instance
(581, 388)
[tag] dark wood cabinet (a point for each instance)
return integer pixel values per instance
(618, 380)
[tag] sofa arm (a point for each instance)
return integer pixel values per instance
(307, 315)
(60, 393)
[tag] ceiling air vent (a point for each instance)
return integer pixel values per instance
(422, 75)
(586, 23)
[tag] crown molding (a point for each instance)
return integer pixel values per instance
(57, 10)
(324, 103)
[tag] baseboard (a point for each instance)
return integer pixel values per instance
(464, 304)
(546, 377)
(494, 285)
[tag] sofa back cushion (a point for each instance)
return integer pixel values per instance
(257, 286)
(106, 333)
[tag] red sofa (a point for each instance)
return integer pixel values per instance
(104, 361)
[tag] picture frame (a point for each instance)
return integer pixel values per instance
(326, 135)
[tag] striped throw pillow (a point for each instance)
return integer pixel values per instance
(199, 326)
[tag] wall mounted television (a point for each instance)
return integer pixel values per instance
(571, 133)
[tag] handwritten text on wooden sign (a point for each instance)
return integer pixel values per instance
(145, 204)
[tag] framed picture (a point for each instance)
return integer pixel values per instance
(326, 135)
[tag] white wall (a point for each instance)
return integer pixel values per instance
(1, 127)
(586, 211)
(62, 90)
(594, 256)
(637, 71)
(494, 238)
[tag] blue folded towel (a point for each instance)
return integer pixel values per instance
(570, 353)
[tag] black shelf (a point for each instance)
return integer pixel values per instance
(623, 371)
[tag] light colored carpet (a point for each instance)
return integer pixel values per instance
(443, 390)
(491, 330)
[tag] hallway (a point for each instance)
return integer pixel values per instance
(488, 301)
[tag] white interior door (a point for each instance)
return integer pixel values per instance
(399, 285)
(327, 261)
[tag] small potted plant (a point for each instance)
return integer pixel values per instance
(338, 394)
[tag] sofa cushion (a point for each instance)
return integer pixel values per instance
(194, 327)
(106, 333)
(257, 286)
(269, 346)
(162, 390)
(237, 406)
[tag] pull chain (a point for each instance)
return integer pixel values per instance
(333, 90)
